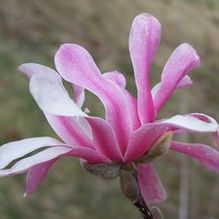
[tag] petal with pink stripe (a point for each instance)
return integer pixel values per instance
(182, 61)
(206, 155)
(144, 40)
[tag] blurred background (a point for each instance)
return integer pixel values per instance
(32, 30)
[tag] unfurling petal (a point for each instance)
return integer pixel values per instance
(17, 149)
(206, 155)
(150, 185)
(183, 60)
(142, 139)
(192, 122)
(76, 65)
(143, 43)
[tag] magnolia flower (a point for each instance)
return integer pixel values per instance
(129, 137)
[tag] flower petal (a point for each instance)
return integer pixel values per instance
(41, 157)
(14, 150)
(76, 65)
(143, 43)
(70, 130)
(192, 123)
(79, 95)
(142, 139)
(117, 77)
(90, 155)
(150, 185)
(206, 155)
(36, 175)
(52, 97)
(186, 81)
(183, 60)
(105, 139)
(31, 69)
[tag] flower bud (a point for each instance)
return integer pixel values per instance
(129, 185)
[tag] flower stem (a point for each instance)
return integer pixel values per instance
(143, 208)
(130, 188)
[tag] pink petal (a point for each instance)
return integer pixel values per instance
(76, 65)
(79, 95)
(192, 123)
(208, 156)
(90, 155)
(142, 139)
(150, 185)
(117, 77)
(143, 43)
(36, 175)
(41, 157)
(17, 149)
(183, 60)
(51, 96)
(105, 139)
(31, 69)
(186, 81)
(70, 130)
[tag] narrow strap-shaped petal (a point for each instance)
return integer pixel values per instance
(68, 128)
(119, 79)
(143, 43)
(142, 139)
(105, 139)
(90, 155)
(41, 157)
(206, 155)
(186, 81)
(192, 123)
(182, 61)
(36, 175)
(150, 185)
(76, 65)
(16, 149)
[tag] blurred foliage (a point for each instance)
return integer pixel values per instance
(32, 30)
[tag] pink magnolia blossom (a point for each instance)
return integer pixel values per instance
(130, 128)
